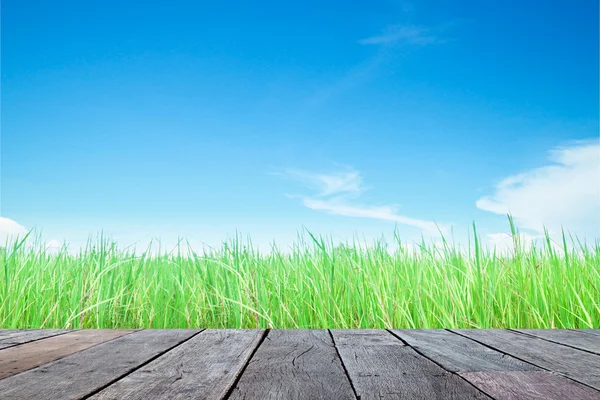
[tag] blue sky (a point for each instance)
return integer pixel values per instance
(198, 119)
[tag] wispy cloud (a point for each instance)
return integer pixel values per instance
(566, 194)
(403, 34)
(348, 183)
(336, 193)
(407, 7)
(385, 213)
(386, 43)
(356, 76)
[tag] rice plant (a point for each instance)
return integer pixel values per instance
(317, 285)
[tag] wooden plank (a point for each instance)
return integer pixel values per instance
(349, 337)
(387, 369)
(520, 385)
(86, 372)
(11, 337)
(8, 332)
(567, 337)
(204, 367)
(16, 359)
(590, 331)
(576, 364)
(295, 364)
(459, 354)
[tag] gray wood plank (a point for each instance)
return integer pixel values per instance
(16, 359)
(567, 337)
(204, 367)
(576, 364)
(590, 331)
(13, 337)
(459, 354)
(294, 364)
(349, 337)
(387, 369)
(85, 372)
(520, 385)
(9, 332)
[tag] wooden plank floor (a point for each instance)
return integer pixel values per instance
(300, 364)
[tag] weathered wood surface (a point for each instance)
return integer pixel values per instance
(458, 353)
(576, 364)
(295, 364)
(16, 359)
(590, 331)
(575, 339)
(13, 337)
(300, 364)
(85, 372)
(208, 364)
(20, 336)
(382, 367)
(531, 385)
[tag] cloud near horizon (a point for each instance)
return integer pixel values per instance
(10, 229)
(566, 194)
(336, 191)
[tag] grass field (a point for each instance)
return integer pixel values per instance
(316, 286)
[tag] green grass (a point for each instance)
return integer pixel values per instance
(316, 286)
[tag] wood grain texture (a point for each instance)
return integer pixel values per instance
(567, 337)
(295, 364)
(5, 333)
(204, 367)
(16, 359)
(589, 331)
(8, 333)
(12, 337)
(87, 371)
(459, 354)
(384, 368)
(578, 365)
(519, 385)
(349, 337)
(300, 364)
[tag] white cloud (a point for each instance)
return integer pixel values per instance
(504, 242)
(53, 244)
(335, 190)
(344, 182)
(566, 194)
(403, 34)
(10, 230)
(53, 247)
(338, 206)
